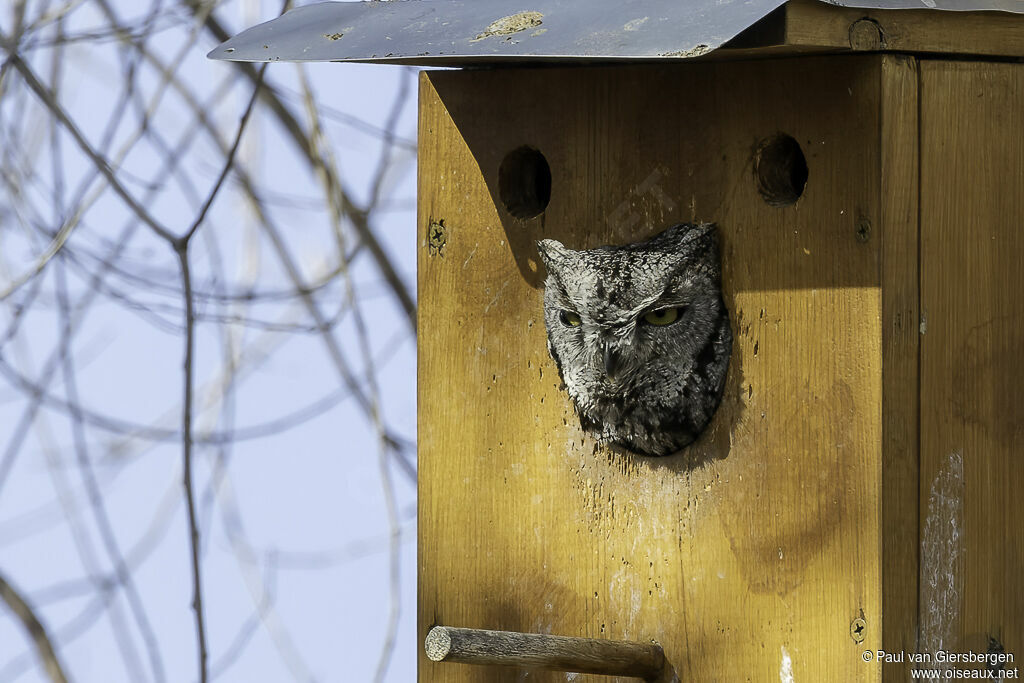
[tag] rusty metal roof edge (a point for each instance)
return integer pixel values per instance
(478, 32)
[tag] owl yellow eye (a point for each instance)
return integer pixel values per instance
(662, 316)
(569, 319)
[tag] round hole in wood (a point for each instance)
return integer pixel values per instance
(780, 169)
(524, 182)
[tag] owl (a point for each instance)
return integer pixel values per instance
(640, 335)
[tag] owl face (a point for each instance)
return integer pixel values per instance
(640, 335)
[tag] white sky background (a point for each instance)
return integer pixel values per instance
(310, 498)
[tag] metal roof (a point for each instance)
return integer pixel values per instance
(466, 32)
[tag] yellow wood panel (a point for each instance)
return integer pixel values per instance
(900, 320)
(749, 558)
(972, 422)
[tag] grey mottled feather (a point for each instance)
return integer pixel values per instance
(651, 389)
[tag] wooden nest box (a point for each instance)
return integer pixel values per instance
(859, 488)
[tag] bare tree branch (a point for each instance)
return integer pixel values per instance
(101, 125)
(36, 631)
(193, 527)
(336, 193)
(181, 247)
(182, 242)
(103, 522)
(47, 98)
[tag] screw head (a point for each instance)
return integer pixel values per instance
(858, 629)
(863, 230)
(437, 235)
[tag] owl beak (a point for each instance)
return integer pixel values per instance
(611, 361)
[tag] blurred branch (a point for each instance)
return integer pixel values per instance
(47, 98)
(247, 560)
(100, 515)
(327, 168)
(154, 433)
(44, 646)
(242, 638)
(308, 148)
(336, 194)
(390, 134)
(123, 119)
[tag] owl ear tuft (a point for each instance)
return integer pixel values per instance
(553, 253)
(690, 233)
(695, 240)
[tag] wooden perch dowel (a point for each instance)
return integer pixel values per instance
(539, 651)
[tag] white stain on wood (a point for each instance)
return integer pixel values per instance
(786, 668)
(941, 548)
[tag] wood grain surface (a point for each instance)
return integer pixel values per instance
(972, 420)
(750, 556)
(483, 647)
(899, 190)
(815, 24)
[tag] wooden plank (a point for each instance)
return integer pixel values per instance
(900, 322)
(972, 420)
(814, 24)
(750, 558)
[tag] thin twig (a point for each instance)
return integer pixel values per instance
(193, 536)
(247, 560)
(36, 631)
(103, 523)
(229, 162)
(327, 168)
(124, 277)
(181, 248)
(47, 98)
(335, 191)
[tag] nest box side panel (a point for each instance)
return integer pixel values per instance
(972, 325)
(755, 555)
(899, 232)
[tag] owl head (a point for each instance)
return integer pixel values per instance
(640, 335)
